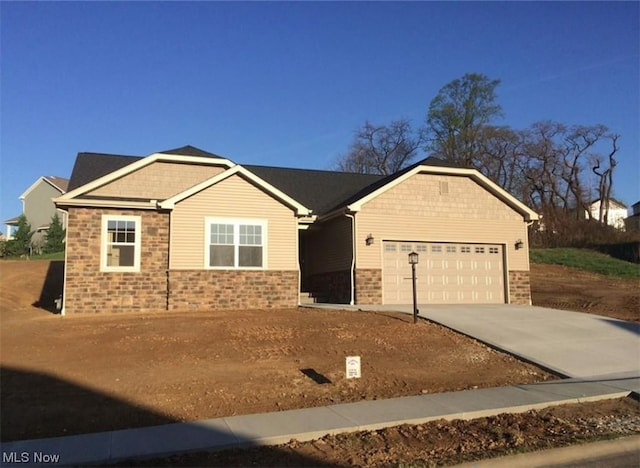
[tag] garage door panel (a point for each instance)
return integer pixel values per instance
(446, 273)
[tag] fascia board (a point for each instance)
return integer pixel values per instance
(134, 166)
(60, 202)
(485, 182)
(170, 203)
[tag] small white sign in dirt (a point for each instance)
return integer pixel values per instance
(353, 367)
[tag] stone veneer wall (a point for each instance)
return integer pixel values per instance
(333, 287)
(232, 289)
(87, 289)
(368, 286)
(153, 288)
(520, 287)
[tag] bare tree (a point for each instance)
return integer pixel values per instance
(605, 175)
(557, 159)
(382, 149)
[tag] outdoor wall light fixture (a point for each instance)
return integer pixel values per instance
(519, 244)
(369, 239)
(413, 261)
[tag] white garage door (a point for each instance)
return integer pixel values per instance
(447, 273)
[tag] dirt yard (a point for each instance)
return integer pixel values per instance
(561, 287)
(69, 375)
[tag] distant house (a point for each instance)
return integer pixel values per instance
(185, 229)
(632, 223)
(38, 207)
(616, 214)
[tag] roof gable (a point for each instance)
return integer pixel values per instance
(93, 170)
(300, 209)
(437, 166)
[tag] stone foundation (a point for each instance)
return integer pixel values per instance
(368, 286)
(520, 287)
(232, 289)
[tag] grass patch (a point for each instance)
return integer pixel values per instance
(588, 260)
(49, 256)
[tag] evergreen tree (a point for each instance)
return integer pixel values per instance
(21, 242)
(55, 236)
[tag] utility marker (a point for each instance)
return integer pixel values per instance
(353, 367)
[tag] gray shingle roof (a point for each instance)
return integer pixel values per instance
(191, 151)
(321, 191)
(91, 166)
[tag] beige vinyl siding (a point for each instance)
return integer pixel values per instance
(439, 208)
(233, 198)
(158, 180)
(329, 249)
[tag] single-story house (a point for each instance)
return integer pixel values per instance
(185, 229)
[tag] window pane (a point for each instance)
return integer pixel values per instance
(120, 255)
(221, 255)
(250, 234)
(222, 234)
(250, 256)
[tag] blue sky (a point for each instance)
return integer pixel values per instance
(286, 84)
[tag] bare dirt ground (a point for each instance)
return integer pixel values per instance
(561, 287)
(73, 375)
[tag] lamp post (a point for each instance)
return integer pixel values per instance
(413, 261)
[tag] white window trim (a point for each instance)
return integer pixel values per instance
(208, 221)
(104, 239)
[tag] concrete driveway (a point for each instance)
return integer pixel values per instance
(569, 343)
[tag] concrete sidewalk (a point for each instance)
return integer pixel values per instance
(307, 424)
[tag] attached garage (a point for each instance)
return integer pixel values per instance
(447, 273)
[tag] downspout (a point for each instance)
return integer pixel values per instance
(353, 257)
(66, 264)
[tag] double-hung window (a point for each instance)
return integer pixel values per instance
(235, 243)
(120, 249)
